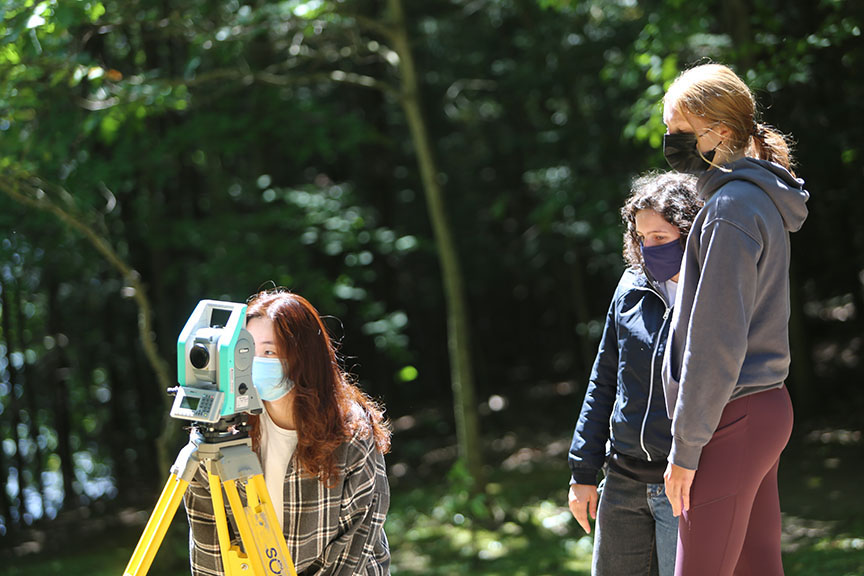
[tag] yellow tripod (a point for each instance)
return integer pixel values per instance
(264, 551)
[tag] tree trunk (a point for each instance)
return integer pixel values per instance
(60, 385)
(736, 21)
(118, 418)
(14, 410)
(5, 503)
(28, 384)
(5, 500)
(459, 345)
(167, 202)
(583, 316)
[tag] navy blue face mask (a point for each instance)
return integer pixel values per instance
(663, 261)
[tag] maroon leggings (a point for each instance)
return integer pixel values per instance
(733, 525)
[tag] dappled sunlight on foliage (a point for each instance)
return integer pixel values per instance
(432, 533)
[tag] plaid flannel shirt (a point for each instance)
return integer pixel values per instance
(334, 531)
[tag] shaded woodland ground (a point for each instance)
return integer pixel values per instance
(520, 526)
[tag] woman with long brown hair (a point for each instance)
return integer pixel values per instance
(321, 442)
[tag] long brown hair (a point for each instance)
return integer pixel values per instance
(715, 93)
(328, 406)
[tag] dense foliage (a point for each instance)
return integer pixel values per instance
(212, 147)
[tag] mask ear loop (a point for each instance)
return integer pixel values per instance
(706, 160)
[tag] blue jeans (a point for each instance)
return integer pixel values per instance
(635, 533)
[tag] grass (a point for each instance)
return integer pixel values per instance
(104, 552)
(823, 512)
(521, 526)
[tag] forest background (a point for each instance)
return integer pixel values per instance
(442, 180)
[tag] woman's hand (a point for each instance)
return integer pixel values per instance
(678, 482)
(583, 501)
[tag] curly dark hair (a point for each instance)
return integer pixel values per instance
(670, 194)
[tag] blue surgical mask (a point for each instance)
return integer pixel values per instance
(662, 262)
(269, 378)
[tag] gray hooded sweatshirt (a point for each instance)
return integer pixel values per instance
(730, 325)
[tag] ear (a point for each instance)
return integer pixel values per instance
(723, 130)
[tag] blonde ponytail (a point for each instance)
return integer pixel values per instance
(766, 143)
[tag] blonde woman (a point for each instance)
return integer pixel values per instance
(728, 353)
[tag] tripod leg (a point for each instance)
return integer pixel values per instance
(234, 560)
(262, 539)
(265, 527)
(156, 527)
(243, 527)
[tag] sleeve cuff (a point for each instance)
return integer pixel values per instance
(685, 456)
(584, 477)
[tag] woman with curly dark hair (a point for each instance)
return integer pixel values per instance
(321, 442)
(624, 406)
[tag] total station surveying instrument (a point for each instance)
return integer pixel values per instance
(215, 393)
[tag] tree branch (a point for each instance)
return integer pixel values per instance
(29, 191)
(291, 80)
(373, 25)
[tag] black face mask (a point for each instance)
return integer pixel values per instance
(682, 154)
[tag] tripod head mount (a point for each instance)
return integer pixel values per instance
(234, 427)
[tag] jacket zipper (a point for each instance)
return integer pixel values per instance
(651, 379)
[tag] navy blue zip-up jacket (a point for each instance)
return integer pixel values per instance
(624, 402)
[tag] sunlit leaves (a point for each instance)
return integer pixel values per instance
(94, 10)
(9, 55)
(109, 126)
(388, 333)
(408, 374)
(37, 19)
(307, 8)
(647, 115)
